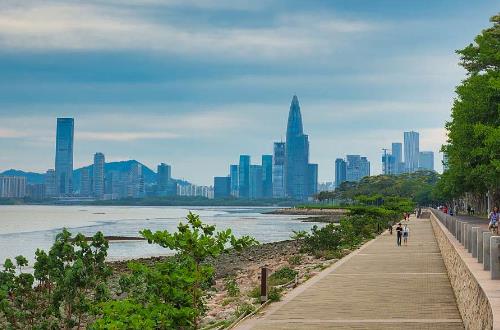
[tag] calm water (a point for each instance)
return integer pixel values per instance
(25, 228)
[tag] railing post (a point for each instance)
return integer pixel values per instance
(473, 243)
(263, 284)
(486, 250)
(495, 257)
(457, 230)
(466, 237)
(480, 233)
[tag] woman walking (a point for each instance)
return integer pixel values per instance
(406, 234)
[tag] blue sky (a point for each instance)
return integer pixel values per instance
(196, 83)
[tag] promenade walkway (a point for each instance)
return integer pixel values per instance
(380, 286)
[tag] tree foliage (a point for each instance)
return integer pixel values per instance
(169, 295)
(473, 145)
(65, 285)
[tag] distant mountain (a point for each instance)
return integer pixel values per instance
(122, 166)
(31, 177)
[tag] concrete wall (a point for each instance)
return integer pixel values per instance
(472, 301)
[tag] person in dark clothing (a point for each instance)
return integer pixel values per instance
(399, 232)
(389, 224)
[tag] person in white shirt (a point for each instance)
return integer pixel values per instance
(406, 233)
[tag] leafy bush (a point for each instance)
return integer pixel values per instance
(244, 309)
(232, 287)
(295, 259)
(274, 294)
(171, 293)
(282, 276)
(67, 282)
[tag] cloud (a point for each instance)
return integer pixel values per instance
(6, 133)
(123, 136)
(86, 26)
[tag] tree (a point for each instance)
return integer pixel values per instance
(169, 295)
(473, 145)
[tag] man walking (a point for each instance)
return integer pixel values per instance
(399, 233)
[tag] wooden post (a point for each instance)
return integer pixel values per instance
(263, 285)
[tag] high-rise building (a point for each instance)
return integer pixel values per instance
(387, 163)
(12, 186)
(135, 187)
(313, 179)
(297, 155)
(64, 156)
(234, 175)
(166, 186)
(244, 176)
(35, 192)
(267, 176)
(98, 176)
(85, 182)
(340, 171)
(222, 186)
(279, 170)
(49, 181)
(411, 150)
(426, 160)
(357, 168)
(397, 158)
(255, 188)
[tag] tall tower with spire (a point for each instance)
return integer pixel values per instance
(296, 155)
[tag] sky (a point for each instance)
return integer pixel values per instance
(197, 83)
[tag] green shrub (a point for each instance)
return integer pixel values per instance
(282, 276)
(232, 287)
(295, 259)
(244, 309)
(274, 294)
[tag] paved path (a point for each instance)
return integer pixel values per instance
(380, 286)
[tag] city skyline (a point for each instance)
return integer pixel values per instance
(185, 105)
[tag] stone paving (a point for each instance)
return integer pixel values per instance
(380, 286)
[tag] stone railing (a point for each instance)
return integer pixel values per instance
(473, 302)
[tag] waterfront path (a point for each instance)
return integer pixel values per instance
(380, 286)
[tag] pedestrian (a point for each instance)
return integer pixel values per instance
(389, 226)
(399, 233)
(494, 217)
(406, 234)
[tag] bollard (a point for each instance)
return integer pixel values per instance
(457, 230)
(263, 285)
(469, 238)
(473, 241)
(480, 244)
(486, 250)
(463, 233)
(495, 257)
(466, 236)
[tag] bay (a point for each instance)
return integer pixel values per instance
(24, 228)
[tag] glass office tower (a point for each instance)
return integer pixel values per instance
(64, 156)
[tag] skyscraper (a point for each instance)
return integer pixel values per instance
(255, 187)
(98, 176)
(64, 156)
(279, 170)
(397, 158)
(222, 186)
(49, 181)
(166, 186)
(233, 173)
(12, 186)
(340, 171)
(357, 168)
(426, 160)
(244, 176)
(411, 150)
(297, 155)
(267, 176)
(85, 182)
(312, 179)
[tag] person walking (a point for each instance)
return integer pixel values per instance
(399, 234)
(494, 217)
(389, 226)
(406, 234)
